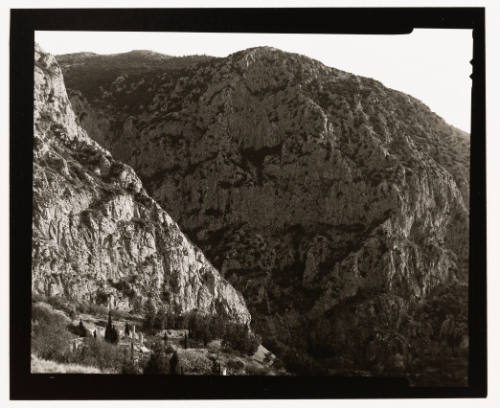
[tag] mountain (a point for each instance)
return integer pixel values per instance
(98, 237)
(337, 206)
(93, 71)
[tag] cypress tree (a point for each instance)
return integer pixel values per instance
(176, 367)
(111, 334)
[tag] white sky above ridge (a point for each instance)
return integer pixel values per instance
(429, 64)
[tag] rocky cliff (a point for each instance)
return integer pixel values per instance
(98, 237)
(337, 206)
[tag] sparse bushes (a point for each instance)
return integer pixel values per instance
(60, 303)
(71, 307)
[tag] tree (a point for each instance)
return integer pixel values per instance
(160, 320)
(215, 367)
(149, 316)
(171, 322)
(216, 327)
(239, 337)
(205, 336)
(82, 330)
(176, 367)
(158, 363)
(128, 367)
(111, 334)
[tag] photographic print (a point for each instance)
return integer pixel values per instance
(252, 205)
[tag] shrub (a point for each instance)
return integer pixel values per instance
(194, 362)
(60, 303)
(97, 353)
(91, 308)
(80, 330)
(158, 363)
(49, 335)
(128, 367)
(121, 314)
(160, 321)
(253, 369)
(49, 366)
(235, 365)
(216, 327)
(238, 337)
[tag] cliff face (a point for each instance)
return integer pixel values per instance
(330, 201)
(97, 235)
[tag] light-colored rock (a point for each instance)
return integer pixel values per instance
(97, 236)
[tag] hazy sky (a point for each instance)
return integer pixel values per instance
(431, 65)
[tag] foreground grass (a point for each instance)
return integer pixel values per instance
(40, 366)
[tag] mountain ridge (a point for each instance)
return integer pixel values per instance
(312, 190)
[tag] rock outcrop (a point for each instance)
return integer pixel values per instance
(98, 237)
(337, 206)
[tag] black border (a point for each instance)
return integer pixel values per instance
(24, 22)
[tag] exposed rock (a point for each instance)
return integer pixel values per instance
(97, 235)
(312, 190)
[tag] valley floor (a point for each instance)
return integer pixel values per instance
(91, 354)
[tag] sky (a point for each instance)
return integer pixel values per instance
(429, 64)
